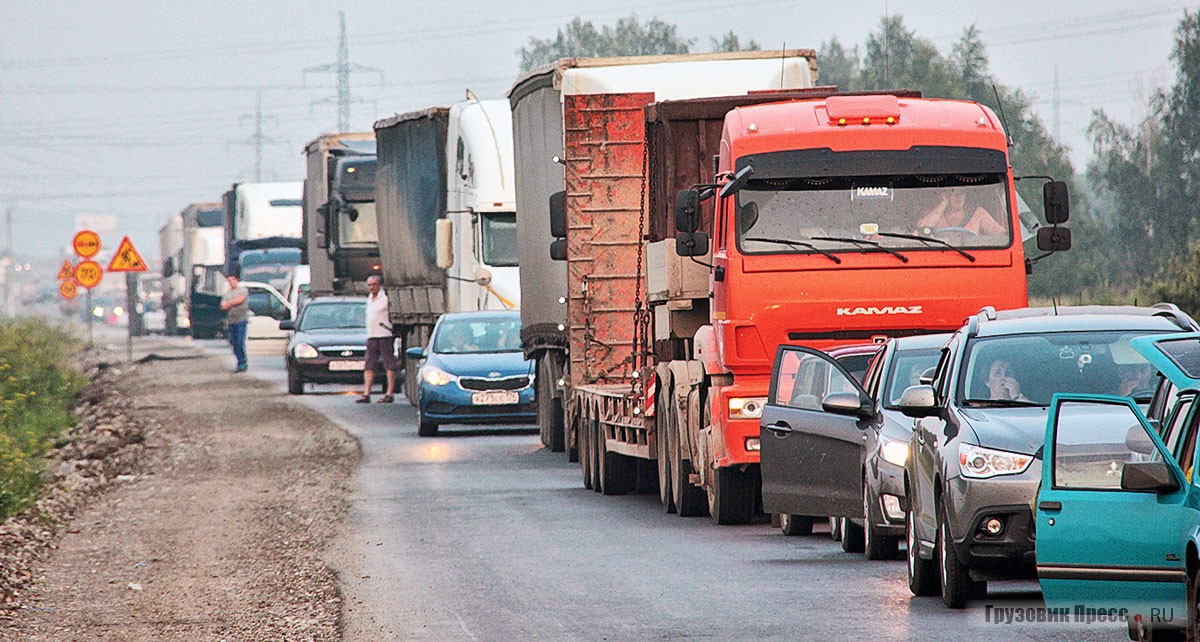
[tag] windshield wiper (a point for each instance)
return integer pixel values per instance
(862, 242)
(1001, 403)
(795, 243)
(927, 239)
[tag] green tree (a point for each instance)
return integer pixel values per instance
(730, 42)
(629, 37)
(838, 66)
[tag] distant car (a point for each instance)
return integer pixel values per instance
(473, 371)
(1118, 509)
(975, 456)
(328, 343)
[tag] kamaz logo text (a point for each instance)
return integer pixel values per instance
(896, 309)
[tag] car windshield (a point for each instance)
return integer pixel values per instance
(1028, 369)
(857, 364)
(852, 214)
(326, 316)
(465, 336)
(907, 367)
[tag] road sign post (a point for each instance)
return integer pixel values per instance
(126, 259)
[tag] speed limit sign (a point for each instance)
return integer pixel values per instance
(88, 274)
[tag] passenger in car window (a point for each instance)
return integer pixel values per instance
(1134, 377)
(1002, 382)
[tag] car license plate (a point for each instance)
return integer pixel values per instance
(495, 397)
(346, 365)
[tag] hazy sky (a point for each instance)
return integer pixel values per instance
(136, 109)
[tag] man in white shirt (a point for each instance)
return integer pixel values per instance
(380, 342)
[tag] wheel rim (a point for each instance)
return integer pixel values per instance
(785, 523)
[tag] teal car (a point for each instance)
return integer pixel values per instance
(1118, 512)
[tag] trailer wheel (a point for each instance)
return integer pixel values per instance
(664, 420)
(731, 498)
(618, 473)
(690, 499)
(550, 414)
(411, 384)
(584, 425)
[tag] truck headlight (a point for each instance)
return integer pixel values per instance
(978, 462)
(436, 376)
(305, 351)
(893, 451)
(746, 407)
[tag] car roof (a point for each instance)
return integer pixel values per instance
(1176, 356)
(922, 341)
(1075, 319)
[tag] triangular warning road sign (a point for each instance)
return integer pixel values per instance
(67, 271)
(126, 258)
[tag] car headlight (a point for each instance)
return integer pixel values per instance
(980, 463)
(436, 376)
(305, 351)
(746, 407)
(893, 451)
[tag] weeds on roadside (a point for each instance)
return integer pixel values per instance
(37, 389)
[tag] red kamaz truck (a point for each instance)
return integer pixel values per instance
(701, 234)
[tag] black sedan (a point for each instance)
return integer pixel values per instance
(327, 343)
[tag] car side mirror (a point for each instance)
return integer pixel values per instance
(558, 250)
(1057, 202)
(847, 403)
(691, 244)
(1136, 440)
(1148, 476)
(687, 210)
(415, 353)
(918, 401)
(287, 324)
(1054, 239)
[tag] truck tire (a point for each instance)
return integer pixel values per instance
(584, 425)
(664, 419)
(647, 476)
(411, 385)
(618, 473)
(549, 408)
(731, 497)
(690, 499)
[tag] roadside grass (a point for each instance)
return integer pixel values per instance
(37, 391)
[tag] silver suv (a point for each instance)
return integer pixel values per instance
(975, 461)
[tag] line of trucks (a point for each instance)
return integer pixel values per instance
(663, 223)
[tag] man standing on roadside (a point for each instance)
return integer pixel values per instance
(236, 305)
(380, 343)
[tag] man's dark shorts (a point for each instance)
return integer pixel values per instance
(380, 349)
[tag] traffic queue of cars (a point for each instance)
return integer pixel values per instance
(943, 440)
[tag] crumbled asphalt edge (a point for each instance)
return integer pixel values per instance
(105, 444)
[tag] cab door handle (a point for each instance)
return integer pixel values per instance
(779, 428)
(1050, 506)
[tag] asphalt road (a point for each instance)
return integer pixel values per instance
(481, 534)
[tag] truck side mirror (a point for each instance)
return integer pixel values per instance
(444, 242)
(168, 266)
(558, 250)
(691, 244)
(1057, 202)
(687, 211)
(1054, 239)
(323, 226)
(558, 215)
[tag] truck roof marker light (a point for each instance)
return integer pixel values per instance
(866, 120)
(841, 122)
(862, 109)
(752, 128)
(982, 122)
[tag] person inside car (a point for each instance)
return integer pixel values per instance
(1002, 383)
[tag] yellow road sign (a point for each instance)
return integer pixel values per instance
(66, 272)
(126, 258)
(68, 290)
(86, 243)
(88, 274)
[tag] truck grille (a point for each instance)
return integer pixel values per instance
(511, 383)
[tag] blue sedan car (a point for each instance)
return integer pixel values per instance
(473, 371)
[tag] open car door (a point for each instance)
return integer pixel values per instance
(811, 456)
(1111, 516)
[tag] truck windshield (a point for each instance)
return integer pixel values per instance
(499, 239)
(268, 266)
(838, 214)
(358, 232)
(210, 218)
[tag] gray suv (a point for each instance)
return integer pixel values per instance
(975, 453)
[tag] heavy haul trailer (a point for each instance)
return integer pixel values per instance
(341, 244)
(537, 123)
(815, 225)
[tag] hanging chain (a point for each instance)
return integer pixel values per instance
(641, 315)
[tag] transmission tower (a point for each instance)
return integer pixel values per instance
(342, 68)
(258, 139)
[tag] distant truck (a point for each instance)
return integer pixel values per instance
(341, 244)
(263, 216)
(173, 298)
(191, 242)
(447, 216)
